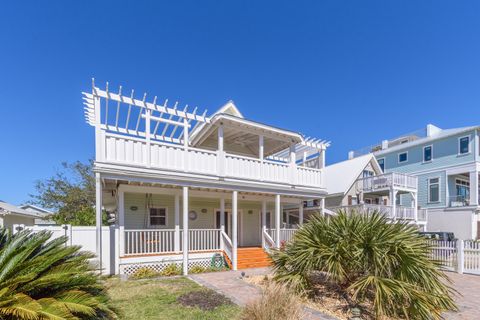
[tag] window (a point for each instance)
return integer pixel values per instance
(434, 190)
(403, 157)
(427, 153)
(464, 145)
(158, 217)
(381, 163)
(462, 189)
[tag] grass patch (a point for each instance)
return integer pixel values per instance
(158, 299)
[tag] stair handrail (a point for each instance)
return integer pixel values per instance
(268, 243)
(228, 246)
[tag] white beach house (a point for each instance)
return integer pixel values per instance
(183, 186)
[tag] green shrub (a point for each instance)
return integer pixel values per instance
(145, 273)
(197, 269)
(382, 265)
(42, 278)
(171, 270)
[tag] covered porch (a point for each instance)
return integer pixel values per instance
(155, 222)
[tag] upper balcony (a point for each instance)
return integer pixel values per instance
(139, 134)
(387, 181)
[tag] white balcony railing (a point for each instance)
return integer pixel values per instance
(401, 212)
(386, 181)
(118, 149)
(285, 234)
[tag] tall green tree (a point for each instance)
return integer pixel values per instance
(70, 193)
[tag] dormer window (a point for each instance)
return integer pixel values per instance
(402, 157)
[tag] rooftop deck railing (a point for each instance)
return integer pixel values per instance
(119, 149)
(399, 213)
(386, 181)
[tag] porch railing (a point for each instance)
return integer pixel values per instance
(459, 201)
(387, 180)
(227, 245)
(156, 241)
(285, 234)
(149, 241)
(401, 212)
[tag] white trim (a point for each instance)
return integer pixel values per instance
(398, 157)
(431, 153)
(158, 225)
(428, 189)
(469, 148)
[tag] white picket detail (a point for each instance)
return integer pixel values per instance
(202, 239)
(471, 250)
(285, 234)
(444, 252)
(148, 241)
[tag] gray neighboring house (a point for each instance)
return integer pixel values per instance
(43, 213)
(11, 214)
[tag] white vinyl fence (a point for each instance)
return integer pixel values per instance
(462, 256)
(84, 237)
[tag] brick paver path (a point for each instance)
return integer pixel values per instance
(230, 284)
(469, 300)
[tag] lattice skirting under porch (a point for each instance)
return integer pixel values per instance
(131, 268)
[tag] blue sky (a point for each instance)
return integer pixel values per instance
(353, 72)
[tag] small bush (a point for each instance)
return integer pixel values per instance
(197, 269)
(171, 270)
(145, 273)
(277, 302)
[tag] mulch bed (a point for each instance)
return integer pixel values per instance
(203, 299)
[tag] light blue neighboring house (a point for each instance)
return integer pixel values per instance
(447, 164)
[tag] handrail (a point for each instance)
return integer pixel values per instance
(228, 248)
(268, 239)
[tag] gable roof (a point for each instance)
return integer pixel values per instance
(7, 208)
(341, 176)
(33, 208)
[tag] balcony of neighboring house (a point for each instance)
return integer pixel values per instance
(392, 194)
(462, 189)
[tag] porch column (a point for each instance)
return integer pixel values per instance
(220, 152)
(300, 213)
(264, 221)
(234, 229)
(185, 230)
(474, 188)
(261, 154)
(415, 206)
(121, 221)
(222, 221)
(393, 203)
(277, 221)
(98, 214)
(176, 244)
(322, 206)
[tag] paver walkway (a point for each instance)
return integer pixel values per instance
(468, 301)
(241, 292)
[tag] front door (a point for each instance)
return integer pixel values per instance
(227, 222)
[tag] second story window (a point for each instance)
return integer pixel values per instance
(402, 157)
(464, 145)
(434, 190)
(427, 153)
(381, 163)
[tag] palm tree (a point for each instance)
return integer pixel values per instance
(42, 279)
(378, 265)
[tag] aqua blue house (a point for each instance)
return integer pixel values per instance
(447, 164)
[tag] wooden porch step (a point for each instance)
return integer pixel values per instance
(252, 257)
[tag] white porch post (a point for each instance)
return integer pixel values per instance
(220, 152)
(393, 202)
(293, 165)
(222, 221)
(98, 211)
(177, 224)
(121, 221)
(185, 145)
(264, 220)
(322, 206)
(474, 188)
(185, 230)
(300, 213)
(415, 206)
(234, 228)
(277, 220)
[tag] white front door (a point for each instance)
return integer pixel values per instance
(250, 228)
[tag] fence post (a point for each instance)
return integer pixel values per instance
(460, 256)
